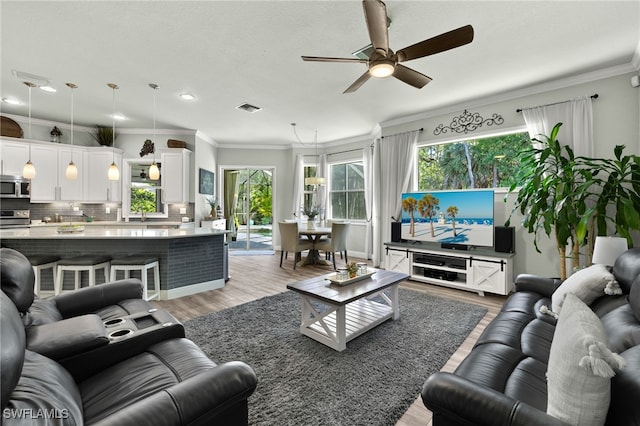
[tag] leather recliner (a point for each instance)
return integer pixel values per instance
(117, 299)
(171, 382)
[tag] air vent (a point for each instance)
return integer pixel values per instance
(32, 78)
(249, 108)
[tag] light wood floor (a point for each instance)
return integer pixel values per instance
(254, 277)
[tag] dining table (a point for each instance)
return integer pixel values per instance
(314, 235)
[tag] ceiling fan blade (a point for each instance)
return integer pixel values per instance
(359, 82)
(411, 77)
(324, 59)
(375, 14)
(437, 44)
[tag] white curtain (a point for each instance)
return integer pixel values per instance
(322, 189)
(576, 117)
(367, 162)
(395, 159)
(296, 201)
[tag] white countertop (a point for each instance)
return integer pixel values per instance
(132, 223)
(49, 232)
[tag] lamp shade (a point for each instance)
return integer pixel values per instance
(29, 170)
(154, 171)
(607, 249)
(114, 172)
(315, 181)
(72, 171)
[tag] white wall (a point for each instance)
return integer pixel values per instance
(616, 115)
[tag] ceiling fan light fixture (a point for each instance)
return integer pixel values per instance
(382, 69)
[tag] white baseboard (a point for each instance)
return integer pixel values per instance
(174, 293)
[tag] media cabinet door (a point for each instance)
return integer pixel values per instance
(399, 261)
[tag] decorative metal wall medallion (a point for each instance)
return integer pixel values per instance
(468, 122)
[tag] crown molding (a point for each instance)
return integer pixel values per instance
(516, 94)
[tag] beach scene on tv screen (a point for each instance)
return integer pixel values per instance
(452, 217)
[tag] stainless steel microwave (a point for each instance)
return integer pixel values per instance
(14, 187)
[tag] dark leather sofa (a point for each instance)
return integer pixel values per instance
(72, 363)
(502, 381)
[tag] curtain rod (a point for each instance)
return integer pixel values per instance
(344, 152)
(594, 96)
(419, 130)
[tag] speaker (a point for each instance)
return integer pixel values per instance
(504, 239)
(396, 232)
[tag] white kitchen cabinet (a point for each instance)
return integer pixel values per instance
(44, 185)
(50, 183)
(13, 155)
(70, 190)
(98, 187)
(175, 175)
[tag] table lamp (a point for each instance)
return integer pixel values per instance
(607, 249)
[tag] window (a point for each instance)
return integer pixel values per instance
(347, 191)
(472, 163)
(145, 194)
(309, 191)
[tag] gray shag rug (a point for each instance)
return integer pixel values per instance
(303, 382)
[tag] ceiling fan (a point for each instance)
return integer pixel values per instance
(383, 62)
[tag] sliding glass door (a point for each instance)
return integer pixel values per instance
(248, 198)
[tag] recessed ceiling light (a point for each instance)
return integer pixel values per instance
(48, 88)
(119, 116)
(11, 101)
(187, 96)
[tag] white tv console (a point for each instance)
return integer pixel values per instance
(478, 269)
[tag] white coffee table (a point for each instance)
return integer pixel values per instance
(334, 314)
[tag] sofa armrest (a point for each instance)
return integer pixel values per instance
(68, 337)
(90, 299)
(217, 396)
(466, 403)
(541, 285)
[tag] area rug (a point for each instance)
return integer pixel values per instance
(303, 382)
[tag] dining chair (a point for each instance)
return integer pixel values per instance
(337, 242)
(290, 241)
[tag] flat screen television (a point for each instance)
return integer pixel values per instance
(463, 217)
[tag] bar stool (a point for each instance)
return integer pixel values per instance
(141, 264)
(39, 263)
(90, 263)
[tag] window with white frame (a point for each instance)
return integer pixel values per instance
(346, 191)
(488, 162)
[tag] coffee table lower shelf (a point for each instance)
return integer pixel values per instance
(339, 324)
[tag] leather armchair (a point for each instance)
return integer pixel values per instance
(170, 382)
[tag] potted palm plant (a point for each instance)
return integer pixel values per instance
(576, 198)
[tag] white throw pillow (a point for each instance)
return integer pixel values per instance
(580, 367)
(588, 284)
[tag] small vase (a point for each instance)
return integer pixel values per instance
(311, 223)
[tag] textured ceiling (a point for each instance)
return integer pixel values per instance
(233, 52)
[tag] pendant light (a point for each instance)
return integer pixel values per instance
(72, 170)
(114, 173)
(154, 171)
(29, 170)
(315, 180)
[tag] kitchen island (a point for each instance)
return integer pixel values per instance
(191, 260)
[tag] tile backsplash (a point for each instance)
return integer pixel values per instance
(98, 211)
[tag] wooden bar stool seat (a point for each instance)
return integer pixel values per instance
(39, 263)
(90, 263)
(141, 264)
